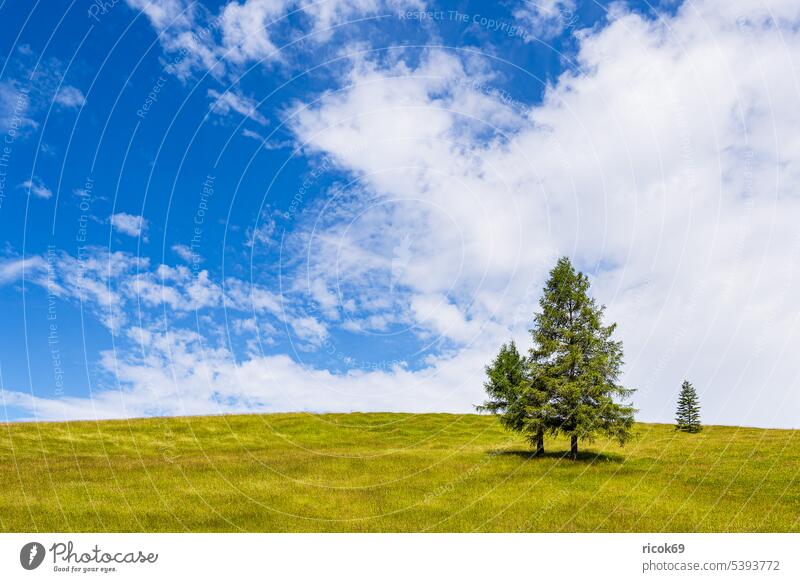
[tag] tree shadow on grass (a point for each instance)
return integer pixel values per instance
(583, 456)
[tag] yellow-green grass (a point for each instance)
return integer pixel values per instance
(388, 473)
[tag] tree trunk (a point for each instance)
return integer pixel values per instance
(573, 450)
(540, 443)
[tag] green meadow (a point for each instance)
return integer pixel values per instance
(388, 473)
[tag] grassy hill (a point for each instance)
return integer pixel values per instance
(387, 472)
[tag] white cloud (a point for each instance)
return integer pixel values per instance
(15, 104)
(414, 137)
(243, 32)
(69, 97)
(11, 270)
(178, 287)
(186, 253)
(265, 143)
(245, 29)
(165, 13)
(262, 234)
(224, 103)
(253, 135)
(36, 188)
(130, 224)
(309, 329)
(93, 279)
(178, 373)
(251, 297)
(444, 318)
(119, 287)
(545, 19)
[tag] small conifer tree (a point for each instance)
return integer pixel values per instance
(688, 415)
(512, 397)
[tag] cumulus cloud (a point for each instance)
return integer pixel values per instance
(245, 29)
(244, 32)
(262, 234)
(253, 135)
(130, 224)
(446, 222)
(224, 103)
(36, 187)
(545, 19)
(69, 97)
(30, 86)
(119, 286)
(179, 373)
(13, 269)
(186, 253)
(15, 105)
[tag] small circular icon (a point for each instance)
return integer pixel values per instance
(31, 555)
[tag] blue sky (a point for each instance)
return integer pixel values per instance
(332, 206)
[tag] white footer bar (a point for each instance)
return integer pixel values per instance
(490, 557)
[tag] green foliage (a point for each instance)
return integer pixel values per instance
(570, 384)
(576, 362)
(512, 397)
(506, 381)
(687, 418)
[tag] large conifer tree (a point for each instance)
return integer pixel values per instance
(687, 417)
(576, 364)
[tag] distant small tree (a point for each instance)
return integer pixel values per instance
(576, 363)
(687, 417)
(512, 397)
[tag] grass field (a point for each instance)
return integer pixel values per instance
(387, 472)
